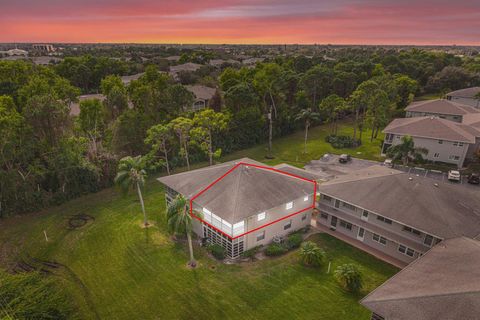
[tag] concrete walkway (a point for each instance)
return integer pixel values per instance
(357, 244)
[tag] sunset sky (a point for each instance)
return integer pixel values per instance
(237, 21)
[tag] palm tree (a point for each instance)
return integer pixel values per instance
(349, 277)
(406, 151)
(131, 174)
(179, 220)
(308, 116)
(311, 254)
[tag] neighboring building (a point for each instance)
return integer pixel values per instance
(441, 108)
(443, 284)
(202, 95)
(75, 106)
(173, 58)
(14, 52)
(398, 214)
(219, 62)
(252, 61)
(43, 47)
(243, 203)
(446, 141)
(127, 79)
(468, 96)
(189, 66)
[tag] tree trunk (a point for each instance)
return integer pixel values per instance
(270, 132)
(371, 136)
(355, 126)
(165, 154)
(145, 222)
(186, 154)
(192, 261)
(210, 153)
(307, 124)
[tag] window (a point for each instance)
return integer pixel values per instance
(406, 250)
(365, 215)
(305, 198)
(345, 225)
(261, 216)
(289, 205)
(378, 238)
(348, 206)
(385, 220)
(436, 155)
(326, 198)
(261, 236)
(428, 240)
(411, 230)
(440, 141)
(454, 157)
(324, 215)
(458, 144)
(304, 217)
(288, 225)
(238, 228)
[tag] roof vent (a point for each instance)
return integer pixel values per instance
(410, 178)
(435, 184)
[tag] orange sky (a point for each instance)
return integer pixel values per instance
(247, 21)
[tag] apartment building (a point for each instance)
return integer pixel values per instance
(441, 108)
(443, 284)
(446, 141)
(242, 204)
(398, 214)
(467, 96)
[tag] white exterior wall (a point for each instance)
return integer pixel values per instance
(444, 149)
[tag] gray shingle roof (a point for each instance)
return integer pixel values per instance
(465, 93)
(443, 284)
(245, 191)
(201, 92)
(432, 128)
(445, 211)
(441, 106)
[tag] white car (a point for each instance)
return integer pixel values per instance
(388, 163)
(453, 175)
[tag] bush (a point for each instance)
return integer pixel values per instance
(217, 251)
(311, 254)
(294, 241)
(250, 252)
(341, 142)
(275, 249)
(349, 277)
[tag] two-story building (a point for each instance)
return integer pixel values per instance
(446, 141)
(243, 204)
(441, 108)
(398, 214)
(467, 96)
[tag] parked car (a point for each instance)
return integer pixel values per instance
(388, 163)
(474, 178)
(344, 158)
(453, 175)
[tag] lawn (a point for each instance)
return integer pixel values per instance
(114, 269)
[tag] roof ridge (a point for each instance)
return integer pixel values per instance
(235, 201)
(428, 295)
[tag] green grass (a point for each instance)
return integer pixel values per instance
(114, 269)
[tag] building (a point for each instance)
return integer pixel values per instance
(443, 284)
(43, 47)
(243, 204)
(75, 106)
(186, 67)
(446, 141)
(14, 52)
(217, 63)
(202, 96)
(395, 213)
(467, 96)
(127, 79)
(444, 109)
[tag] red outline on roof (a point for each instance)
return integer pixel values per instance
(267, 224)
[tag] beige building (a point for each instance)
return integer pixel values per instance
(441, 108)
(243, 204)
(467, 96)
(202, 94)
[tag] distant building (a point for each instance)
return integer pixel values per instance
(15, 52)
(75, 106)
(127, 79)
(468, 96)
(444, 109)
(189, 66)
(217, 63)
(203, 95)
(43, 47)
(252, 61)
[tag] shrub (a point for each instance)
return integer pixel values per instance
(275, 249)
(311, 254)
(294, 241)
(341, 142)
(217, 251)
(349, 277)
(250, 252)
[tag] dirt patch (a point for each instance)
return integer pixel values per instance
(79, 221)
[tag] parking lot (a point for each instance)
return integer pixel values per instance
(328, 167)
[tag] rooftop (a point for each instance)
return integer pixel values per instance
(201, 92)
(438, 208)
(240, 190)
(452, 291)
(433, 128)
(441, 106)
(465, 93)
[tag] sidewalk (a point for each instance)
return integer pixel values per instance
(359, 245)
